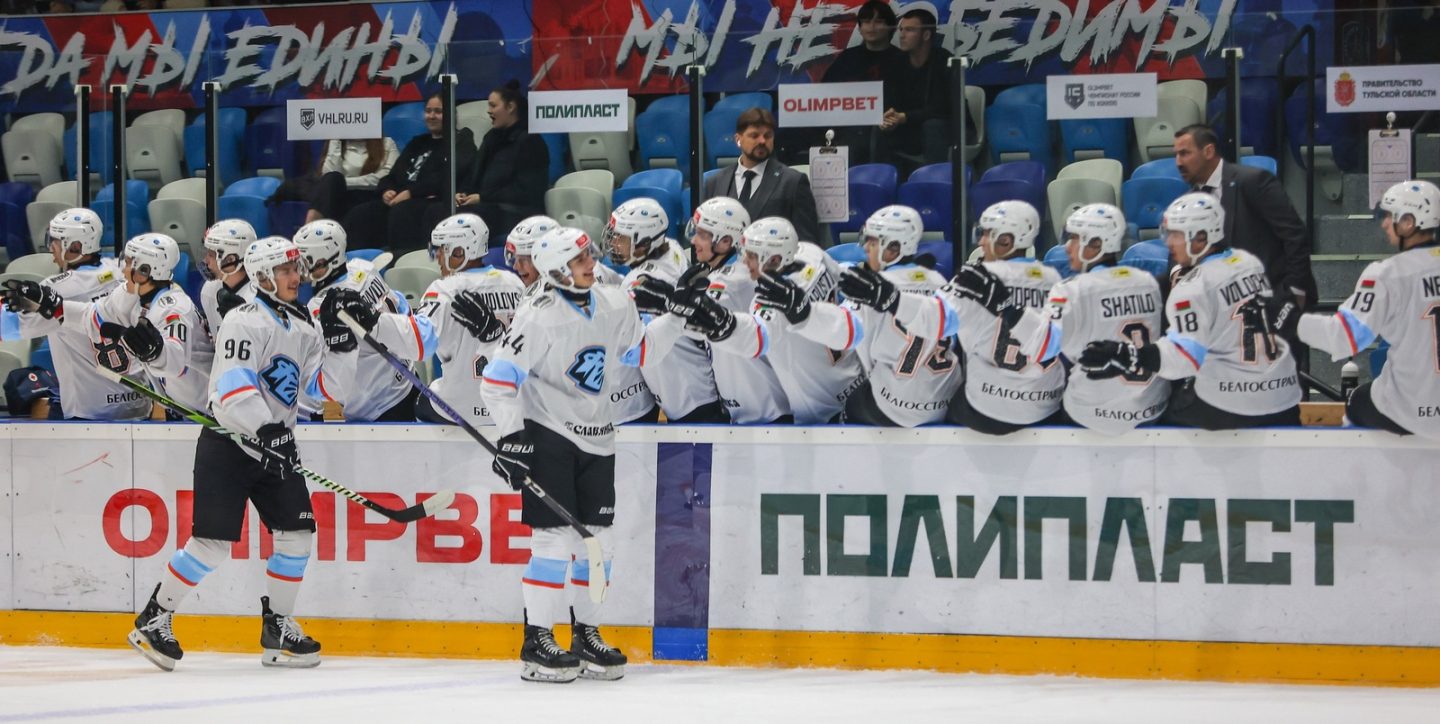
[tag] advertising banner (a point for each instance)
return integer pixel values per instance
(1382, 88)
(593, 111)
(831, 104)
(338, 118)
(1106, 95)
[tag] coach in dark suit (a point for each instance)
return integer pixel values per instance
(763, 185)
(1258, 214)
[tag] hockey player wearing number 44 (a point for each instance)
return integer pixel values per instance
(267, 353)
(547, 394)
(1397, 298)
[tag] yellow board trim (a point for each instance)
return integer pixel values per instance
(1407, 666)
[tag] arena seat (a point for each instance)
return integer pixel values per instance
(14, 231)
(872, 185)
(1155, 137)
(404, 121)
(1145, 201)
(266, 149)
(934, 202)
(719, 132)
(608, 150)
(580, 207)
(231, 145)
(1159, 168)
(1031, 173)
(664, 137)
(474, 115)
(1028, 94)
(1018, 132)
(556, 147)
(245, 199)
(41, 264)
(137, 210)
(940, 173)
(1149, 256)
(944, 254)
(1094, 138)
(1066, 195)
(1265, 162)
(667, 200)
(985, 193)
(1101, 169)
(97, 148)
(152, 154)
(602, 182)
(411, 281)
(179, 211)
(421, 257)
(1058, 259)
(366, 254)
(847, 253)
(32, 156)
(50, 201)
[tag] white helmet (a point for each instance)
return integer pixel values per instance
(81, 226)
(644, 221)
(154, 255)
(466, 232)
(321, 243)
(1420, 199)
(228, 238)
(1016, 218)
(1097, 221)
(265, 255)
(722, 216)
(522, 238)
(769, 238)
(894, 224)
(1191, 214)
(552, 254)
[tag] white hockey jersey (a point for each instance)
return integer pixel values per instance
(361, 380)
(1398, 299)
(746, 382)
(816, 378)
(84, 393)
(264, 360)
(209, 301)
(912, 377)
(684, 380)
(1001, 382)
(1240, 370)
(182, 371)
(627, 387)
(1107, 303)
(462, 356)
(554, 361)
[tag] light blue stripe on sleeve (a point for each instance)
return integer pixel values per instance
(631, 358)
(312, 386)
(952, 319)
(1189, 346)
(859, 328)
(1052, 347)
(428, 339)
(1361, 331)
(402, 306)
(764, 336)
(236, 378)
(9, 325)
(502, 370)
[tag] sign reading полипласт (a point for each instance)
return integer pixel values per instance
(589, 111)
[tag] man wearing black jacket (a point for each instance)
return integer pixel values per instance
(917, 93)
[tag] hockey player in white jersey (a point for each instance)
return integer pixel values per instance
(1102, 301)
(470, 306)
(37, 309)
(1398, 299)
(1237, 373)
(267, 353)
(520, 244)
(546, 392)
(227, 285)
(355, 375)
(1004, 390)
(910, 377)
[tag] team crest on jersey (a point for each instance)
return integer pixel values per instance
(282, 379)
(588, 370)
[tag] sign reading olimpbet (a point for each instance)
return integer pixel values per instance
(831, 104)
(586, 111)
(335, 118)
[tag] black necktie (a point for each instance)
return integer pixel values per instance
(745, 188)
(1208, 189)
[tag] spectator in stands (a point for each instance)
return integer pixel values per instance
(917, 93)
(351, 172)
(413, 187)
(511, 171)
(1258, 215)
(868, 61)
(763, 185)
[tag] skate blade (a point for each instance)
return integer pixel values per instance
(547, 675)
(139, 643)
(285, 659)
(596, 672)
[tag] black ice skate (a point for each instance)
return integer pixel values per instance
(153, 636)
(598, 660)
(544, 660)
(283, 641)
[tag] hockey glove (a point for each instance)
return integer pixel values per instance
(279, 440)
(226, 299)
(28, 296)
(779, 292)
(1110, 358)
(338, 337)
(690, 289)
(470, 311)
(694, 272)
(651, 295)
(1278, 314)
(711, 319)
(866, 286)
(981, 285)
(143, 340)
(512, 461)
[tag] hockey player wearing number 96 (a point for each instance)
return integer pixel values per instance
(546, 391)
(267, 352)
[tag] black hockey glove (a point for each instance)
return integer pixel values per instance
(143, 340)
(689, 278)
(711, 319)
(512, 461)
(280, 440)
(866, 286)
(338, 336)
(1278, 314)
(226, 299)
(690, 289)
(470, 311)
(1103, 360)
(28, 296)
(975, 282)
(651, 295)
(779, 292)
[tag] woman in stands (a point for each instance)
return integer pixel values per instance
(511, 172)
(350, 176)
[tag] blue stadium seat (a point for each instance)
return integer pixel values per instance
(985, 193)
(944, 254)
(100, 142)
(719, 129)
(137, 210)
(287, 217)
(1032, 94)
(231, 144)
(939, 173)
(262, 186)
(1018, 131)
(1108, 136)
(1259, 101)
(1145, 199)
(1265, 162)
(558, 144)
(851, 253)
(679, 102)
(14, 232)
(933, 201)
(666, 178)
(403, 122)
(366, 254)
(1029, 171)
(865, 199)
(265, 142)
(1149, 256)
(880, 174)
(245, 199)
(668, 200)
(496, 257)
(1342, 132)
(1159, 168)
(1059, 260)
(741, 102)
(664, 134)
(705, 178)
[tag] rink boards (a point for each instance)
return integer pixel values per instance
(1303, 555)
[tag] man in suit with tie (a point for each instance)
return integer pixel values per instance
(763, 185)
(1258, 215)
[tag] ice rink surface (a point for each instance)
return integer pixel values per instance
(113, 685)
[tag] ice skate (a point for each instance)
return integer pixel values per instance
(544, 660)
(284, 642)
(153, 636)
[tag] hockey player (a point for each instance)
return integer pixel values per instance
(268, 351)
(910, 378)
(1397, 298)
(36, 309)
(355, 375)
(546, 391)
(227, 286)
(1237, 374)
(520, 243)
(1103, 301)
(470, 306)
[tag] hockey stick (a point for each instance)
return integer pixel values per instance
(598, 583)
(431, 506)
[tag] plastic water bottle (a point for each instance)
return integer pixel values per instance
(1349, 378)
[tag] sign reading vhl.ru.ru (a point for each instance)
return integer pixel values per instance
(1368, 88)
(586, 111)
(335, 118)
(1109, 95)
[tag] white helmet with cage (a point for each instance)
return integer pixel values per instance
(553, 252)
(522, 238)
(78, 226)
(642, 220)
(228, 239)
(154, 255)
(722, 216)
(894, 224)
(1097, 221)
(770, 238)
(321, 244)
(466, 232)
(263, 256)
(1191, 215)
(1417, 198)
(1017, 218)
